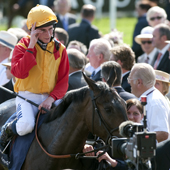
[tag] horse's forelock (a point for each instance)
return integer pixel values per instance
(103, 85)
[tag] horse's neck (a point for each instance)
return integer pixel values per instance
(67, 133)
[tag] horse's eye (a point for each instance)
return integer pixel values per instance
(108, 109)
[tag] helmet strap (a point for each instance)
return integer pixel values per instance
(54, 26)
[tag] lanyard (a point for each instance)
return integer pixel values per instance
(150, 92)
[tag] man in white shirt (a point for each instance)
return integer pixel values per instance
(142, 80)
(7, 43)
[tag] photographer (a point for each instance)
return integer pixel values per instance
(134, 110)
(112, 164)
(135, 114)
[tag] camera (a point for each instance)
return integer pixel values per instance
(138, 146)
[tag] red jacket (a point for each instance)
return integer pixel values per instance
(40, 71)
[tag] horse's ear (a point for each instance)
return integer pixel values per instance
(112, 77)
(91, 83)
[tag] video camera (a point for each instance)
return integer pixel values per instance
(138, 147)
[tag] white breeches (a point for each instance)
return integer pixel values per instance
(27, 112)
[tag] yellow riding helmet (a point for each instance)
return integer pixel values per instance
(40, 14)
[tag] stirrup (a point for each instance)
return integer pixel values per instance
(3, 151)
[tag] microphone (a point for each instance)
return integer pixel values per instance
(124, 128)
(128, 128)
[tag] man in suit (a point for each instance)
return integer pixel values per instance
(99, 52)
(124, 55)
(62, 8)
(145, 40)
(77, 61)
(84, 31)
(112, 74)
(141, 9)
(161, 34)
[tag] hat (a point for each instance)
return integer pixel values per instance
(162, 76)
(9, 60)
(145, 33)
(7, 39)
(40, 14)
(18, 32)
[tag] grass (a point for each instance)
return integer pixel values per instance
(125, 25)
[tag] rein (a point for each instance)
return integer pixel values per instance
(50, 155)
(100, 116)
(80, 155)
(77, 156)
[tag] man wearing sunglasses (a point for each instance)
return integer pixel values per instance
(145, 40)
(161, 33)
(156, 15)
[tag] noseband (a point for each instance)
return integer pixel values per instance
(101, 119)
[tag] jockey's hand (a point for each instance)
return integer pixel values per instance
(88, 148)
(106, 157)
(46, 104)
(35, 33)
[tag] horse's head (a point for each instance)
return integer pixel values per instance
(109, 110)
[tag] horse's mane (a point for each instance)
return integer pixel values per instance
(75, 96)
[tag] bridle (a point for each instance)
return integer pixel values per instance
(101, 119)
(93, 98)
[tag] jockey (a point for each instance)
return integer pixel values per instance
(40, 65)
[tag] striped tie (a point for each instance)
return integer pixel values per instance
(157, 61)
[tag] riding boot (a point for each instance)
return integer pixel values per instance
(8, 131)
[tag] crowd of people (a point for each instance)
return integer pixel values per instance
(46, 57)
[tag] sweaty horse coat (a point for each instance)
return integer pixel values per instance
(65, 130)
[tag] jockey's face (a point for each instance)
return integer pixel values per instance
(46, 34)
